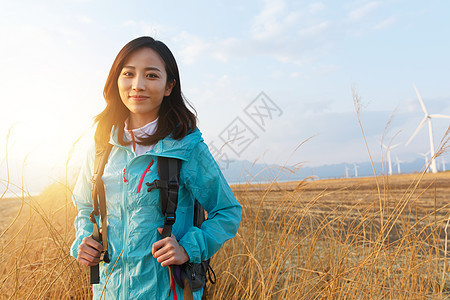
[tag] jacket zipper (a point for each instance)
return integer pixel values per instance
(125, 245)
(142, 177)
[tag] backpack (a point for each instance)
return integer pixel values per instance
(189, 276)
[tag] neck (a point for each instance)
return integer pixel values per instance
(135, 121)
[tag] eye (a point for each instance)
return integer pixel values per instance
(127, 73)
(152, 75)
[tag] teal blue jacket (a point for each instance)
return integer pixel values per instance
(134, 214)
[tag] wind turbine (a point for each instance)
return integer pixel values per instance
(425, 155)
(346, 171)
(398, 164)
(443, 164)
(355, 166)
(388, 154)
(428, 118)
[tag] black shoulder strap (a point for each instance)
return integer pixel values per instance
(169, 177)
(169, 183)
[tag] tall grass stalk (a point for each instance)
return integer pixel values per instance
(352, 238)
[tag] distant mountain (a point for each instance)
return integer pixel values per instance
(241, 171)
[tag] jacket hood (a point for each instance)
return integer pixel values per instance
(169, 147)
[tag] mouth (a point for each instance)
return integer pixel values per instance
(138, 97)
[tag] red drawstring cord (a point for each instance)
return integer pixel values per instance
(124, 179)
(132, 138)
(142, 177)
(174, 290)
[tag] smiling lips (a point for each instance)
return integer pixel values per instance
(138, 97)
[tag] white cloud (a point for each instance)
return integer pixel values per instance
(385, 23)
(314, 30)
(222, 56)
(282, 33)
(192, 47)
(361, 12)
(289, 48)
(227, 47)
(273, 21)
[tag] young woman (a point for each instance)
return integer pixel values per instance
(146, 118)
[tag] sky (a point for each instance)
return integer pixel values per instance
(271, 80)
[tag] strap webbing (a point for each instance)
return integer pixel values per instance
(95, 272)
(168, 185)
(169, 177)
(99, 201)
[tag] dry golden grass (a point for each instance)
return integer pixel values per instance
(383, 237)
(328, 239)
(325, 239)
(34, 253)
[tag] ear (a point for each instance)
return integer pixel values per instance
(169, 87)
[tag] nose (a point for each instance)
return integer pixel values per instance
(138, 83)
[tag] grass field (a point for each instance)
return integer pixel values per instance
(359, 238)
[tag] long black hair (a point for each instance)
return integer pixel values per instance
(174, 116)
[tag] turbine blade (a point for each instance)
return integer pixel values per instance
(393, 146)
(421, 101)
(417, 130)
(440, 116)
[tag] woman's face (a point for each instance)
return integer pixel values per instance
(142, 86)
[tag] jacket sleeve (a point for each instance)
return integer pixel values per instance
(208, 185)
(82, 199)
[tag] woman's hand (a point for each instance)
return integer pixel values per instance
(89, 252)
(168, 252)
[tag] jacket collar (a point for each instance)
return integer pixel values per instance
(167, 147)
(143, 131)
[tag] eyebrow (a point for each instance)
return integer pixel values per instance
(146, 69)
